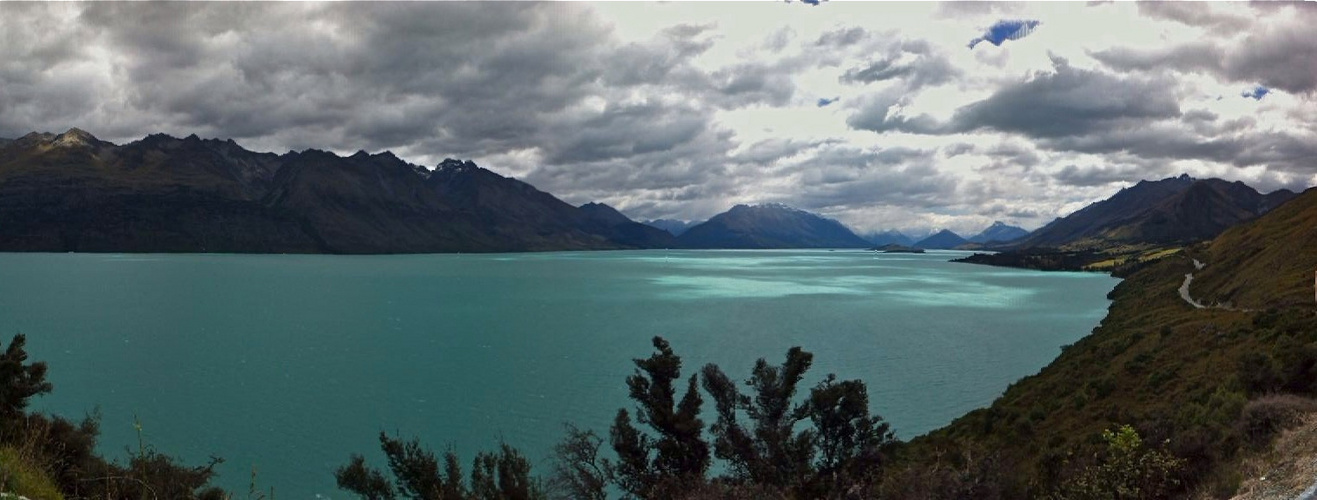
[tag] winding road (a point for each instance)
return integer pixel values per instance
(1184, 288)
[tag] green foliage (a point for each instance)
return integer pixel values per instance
(770, 453)
(418, 473)
(676, 454)
(20, 476)
(64, 451)
(19, 380)
(850, 440)
(1129, 471)
(1265, 417)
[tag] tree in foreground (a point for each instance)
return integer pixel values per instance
(19, 380)
(676, 456)
(824, 445)
(842, 449)
(417, 473)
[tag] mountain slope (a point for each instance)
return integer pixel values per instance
(944, 239)
(1192, 382)
(673, 227)
(1266, 263)
(622, 229)
(1176, 210)
(73, 192)
(770, 226)
(999, 232)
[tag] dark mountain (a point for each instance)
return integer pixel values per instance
(770, 226)
(889, 237)
(999, 232)
(622, 229)
(944, 239)
(1176, 210)
(73, 192)
(675, 227)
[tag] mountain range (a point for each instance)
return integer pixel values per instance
(73, 192)
(1175, 210)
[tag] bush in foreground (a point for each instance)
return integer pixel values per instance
(64, 452)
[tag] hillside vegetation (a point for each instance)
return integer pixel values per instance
(1265, 264)
(1190, 380)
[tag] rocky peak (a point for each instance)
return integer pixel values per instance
(451, 165)
(75, 137)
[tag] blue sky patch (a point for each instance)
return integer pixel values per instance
(1006, 30)
(1256, 93)
(825, 102)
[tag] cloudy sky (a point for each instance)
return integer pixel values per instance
(883, 115)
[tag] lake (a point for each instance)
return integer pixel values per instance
(289, 363)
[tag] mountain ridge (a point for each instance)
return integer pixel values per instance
(999, 232)
(73, 192)
(1167, 211)
(942, 240)
(770, 225)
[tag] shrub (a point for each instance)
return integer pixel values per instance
(1264, 417)
(1128, 471)
(417, 473)
(20, 476)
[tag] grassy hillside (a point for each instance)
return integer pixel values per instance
(1189, 380)
(1266, 263)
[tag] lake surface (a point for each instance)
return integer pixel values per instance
(290, 363)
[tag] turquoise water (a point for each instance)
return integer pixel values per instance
(290, 363)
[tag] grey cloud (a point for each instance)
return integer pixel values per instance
(1184, 57)
(1193, 14)
(1068, 102)
(914, 62)
(843, 178)
(1278, 56)
(624, 131)
(1012, 154)
(958, 149)
(1237, 144)
(843, 37)
(925, 70)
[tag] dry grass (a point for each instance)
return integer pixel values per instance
(1287, 469)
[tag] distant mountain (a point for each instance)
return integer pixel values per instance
(675, 227)
(770, 226)
(1169, 211)
(73, 192)
(944, 239)
(999, 232)
(889, 237)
